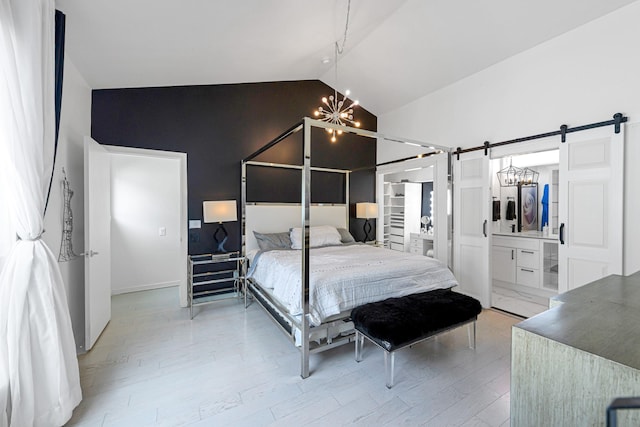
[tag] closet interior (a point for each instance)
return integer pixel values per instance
(408, 211)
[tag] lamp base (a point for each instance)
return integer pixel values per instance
(225, 236)
(367, 229)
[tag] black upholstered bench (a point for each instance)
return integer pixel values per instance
(396, 323)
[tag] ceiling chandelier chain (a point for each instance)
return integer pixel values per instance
(339, 112)
(340, 49)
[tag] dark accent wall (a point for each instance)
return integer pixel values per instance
(219, 125)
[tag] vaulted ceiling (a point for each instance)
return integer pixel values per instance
(396, 50)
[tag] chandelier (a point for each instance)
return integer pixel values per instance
(513, 176)
(335, 110)
(338, 112)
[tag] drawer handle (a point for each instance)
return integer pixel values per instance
(527, 270)
(512, 254)
(527, 252)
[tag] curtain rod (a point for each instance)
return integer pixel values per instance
(618, 118)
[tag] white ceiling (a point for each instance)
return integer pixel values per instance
(396, 51)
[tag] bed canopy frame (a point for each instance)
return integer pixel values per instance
(305, 126)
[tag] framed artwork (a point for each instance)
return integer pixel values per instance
(528, 201)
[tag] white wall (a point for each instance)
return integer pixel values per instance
(145, 196)
(583, 76)
(75, 122)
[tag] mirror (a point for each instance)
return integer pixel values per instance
(531, 203)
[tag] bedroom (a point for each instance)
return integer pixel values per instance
(558, 81)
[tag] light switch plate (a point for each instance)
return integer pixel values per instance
(194, 223)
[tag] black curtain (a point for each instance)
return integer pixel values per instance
(59, 71)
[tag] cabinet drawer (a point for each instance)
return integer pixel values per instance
(396, 230)
(417, 243)
(517, 242)
(527, 276)
(396, 239)
(528, 258)
(418, 251)
(396, 246)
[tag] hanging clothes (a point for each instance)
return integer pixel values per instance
(545, 206)
(511, 210)
(496, 210)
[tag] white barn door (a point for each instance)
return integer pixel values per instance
(471, 225)
(590, 212)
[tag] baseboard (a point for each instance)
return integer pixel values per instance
(145, 287)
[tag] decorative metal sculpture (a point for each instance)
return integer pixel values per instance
(66, 246)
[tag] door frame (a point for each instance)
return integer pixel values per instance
(184, 241)
(440, 164)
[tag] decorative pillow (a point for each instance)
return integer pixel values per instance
(345, 236)
(268, 241)
(322, 235)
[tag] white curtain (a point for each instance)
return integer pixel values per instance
(39, 380)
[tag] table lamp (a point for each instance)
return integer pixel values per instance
(366, 211)
(220, 211)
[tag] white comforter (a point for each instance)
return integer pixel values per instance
(344, 277)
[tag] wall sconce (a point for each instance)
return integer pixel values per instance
(366, 211)
(220, 211)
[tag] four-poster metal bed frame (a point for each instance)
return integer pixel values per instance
(305, 126)
(275, 309)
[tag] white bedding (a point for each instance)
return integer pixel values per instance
(344, 277)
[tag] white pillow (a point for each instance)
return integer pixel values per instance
(322, 235)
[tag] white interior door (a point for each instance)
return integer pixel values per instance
(471, 226)
(97, 240)
(590, 211)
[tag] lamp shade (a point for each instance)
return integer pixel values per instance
(219, 211)
(366, 210)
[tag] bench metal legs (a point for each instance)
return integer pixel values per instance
(359, 345)
(389, 356)
(471, 333)
(389, 362)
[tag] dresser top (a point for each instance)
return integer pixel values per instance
(601, 318)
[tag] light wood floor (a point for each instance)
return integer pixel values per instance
(231, 366)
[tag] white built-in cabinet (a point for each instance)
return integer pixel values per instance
(402, 209)
(525, 264)
(421, 244)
